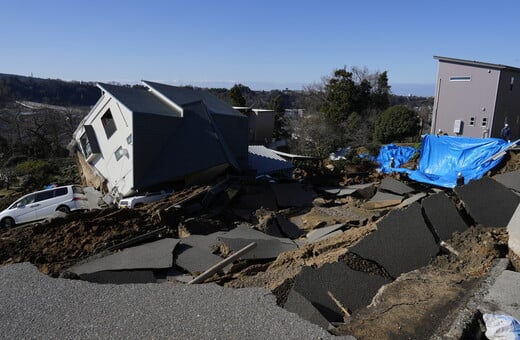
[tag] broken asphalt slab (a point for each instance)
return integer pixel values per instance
(510, 180)
(488, 202)
(267, 247)
(319, 234)
(47, 308)
(120, 276)
(288, 228)
(335, 283)
(401, 243)
(364, 190)
(412, 199)
(291, 195)
(443, 215)
(195, 259)
(153, 255)
(397, 187)
(297, 304)
(382, 200)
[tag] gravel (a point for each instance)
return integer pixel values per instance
(35, 306)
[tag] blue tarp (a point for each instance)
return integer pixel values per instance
(400, 154)
(443, 157)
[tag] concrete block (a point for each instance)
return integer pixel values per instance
(392, 185)
(297, 304)
(353, 289)
(401, 243)
(382, 200)
(488, 202)
(510, 180)
(153, 255)
(291, 195)
(504, 294)
(443, 215)
(513, 229)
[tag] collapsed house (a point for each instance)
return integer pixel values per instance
(136, 139)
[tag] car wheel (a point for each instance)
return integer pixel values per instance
(64, 209)
(7, 222)
(138, 205)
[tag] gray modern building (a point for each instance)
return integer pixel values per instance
(476, 99)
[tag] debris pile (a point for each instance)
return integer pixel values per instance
(340, 256)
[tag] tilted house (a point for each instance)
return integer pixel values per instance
(476, 99)
(140, 139)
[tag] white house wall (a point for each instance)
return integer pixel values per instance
(118, 173)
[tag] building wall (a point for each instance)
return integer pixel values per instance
(508, 104)
(470, 100)
(117, 172)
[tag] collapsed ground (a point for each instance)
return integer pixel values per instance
(415, 304)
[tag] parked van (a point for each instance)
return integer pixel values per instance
(40, 204)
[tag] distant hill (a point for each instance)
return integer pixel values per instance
(48, 91)
(79, 93)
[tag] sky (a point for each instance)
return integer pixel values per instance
(263, 44)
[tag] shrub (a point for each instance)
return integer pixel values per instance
(37, 173)
(395, 124)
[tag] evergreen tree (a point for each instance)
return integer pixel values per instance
(236, 97)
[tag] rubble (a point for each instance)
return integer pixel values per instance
(338, 256)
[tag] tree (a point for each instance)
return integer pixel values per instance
(339, 94)
(236, 97)
(381, 94)
(395, 124)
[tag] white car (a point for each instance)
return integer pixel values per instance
(40, 204)
(139, 201)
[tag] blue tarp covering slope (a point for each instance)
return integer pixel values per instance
(400, 154)
(443, 157)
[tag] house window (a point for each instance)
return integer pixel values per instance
(85, 145)
(511, 84)
(460, 78)
(88, 142)
(108, 123)
(120, 152)
(484, 121)
(471, 121)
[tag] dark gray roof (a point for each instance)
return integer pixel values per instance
(187, 95)
(139, 100)
(476, 63)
